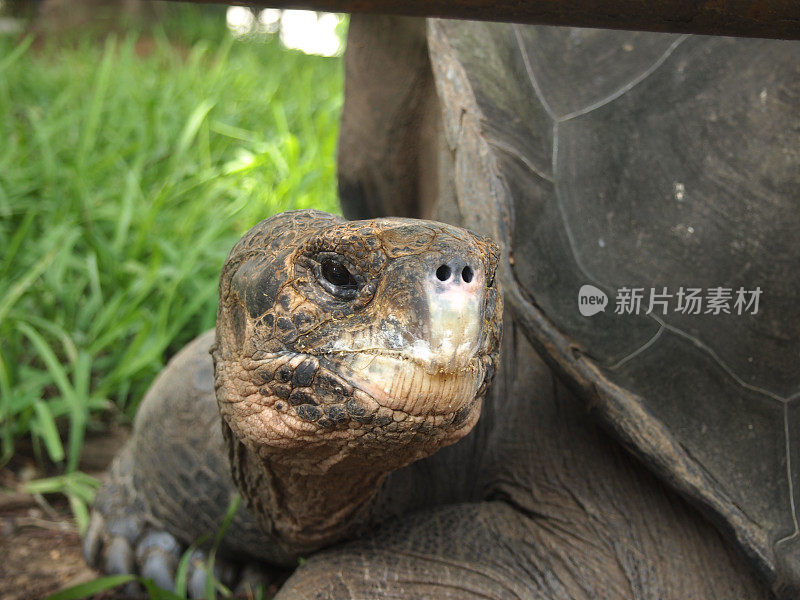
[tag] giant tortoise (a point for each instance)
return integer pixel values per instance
(640, 439)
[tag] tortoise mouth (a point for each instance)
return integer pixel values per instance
(361, 385)
(408, 385)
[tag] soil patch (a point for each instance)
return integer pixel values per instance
(41, 553)
(39, 542)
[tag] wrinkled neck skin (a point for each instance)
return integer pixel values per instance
(303, 508)
(317, 510)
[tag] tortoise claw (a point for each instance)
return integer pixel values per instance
(157, 557)
(198, 573)
(197, 576)
(122, 545)
(93, 542)
(119, 560)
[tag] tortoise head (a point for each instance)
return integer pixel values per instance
(355, 340)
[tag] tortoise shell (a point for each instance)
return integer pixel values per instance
(651, 168)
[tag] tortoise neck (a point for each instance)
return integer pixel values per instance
(304, 506)
(314, 510)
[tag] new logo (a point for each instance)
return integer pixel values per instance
(591, 300)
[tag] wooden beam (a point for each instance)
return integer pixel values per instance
(746, 18)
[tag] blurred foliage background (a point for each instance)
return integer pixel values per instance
(134, 150)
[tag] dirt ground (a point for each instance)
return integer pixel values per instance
(40, 549)
(40, 553)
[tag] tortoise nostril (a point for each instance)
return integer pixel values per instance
(443, 273)
(467, 274)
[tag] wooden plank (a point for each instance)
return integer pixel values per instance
(747, 18)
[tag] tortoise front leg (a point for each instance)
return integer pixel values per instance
(492, 550)
(478, 550)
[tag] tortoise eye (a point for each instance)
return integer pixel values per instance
(337, 279)
(337, 274)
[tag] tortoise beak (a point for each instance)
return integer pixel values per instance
(455, 297)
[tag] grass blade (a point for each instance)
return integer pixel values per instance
(156, 593)
(57, 372)
(182, 572)
(5, 413)
(22, 284)
(79, 414)
(48, 431)
(80, 512)
(193, 126)
(89, 136)
(212, 584)
(17, 53)
(90, 588)
(16, 241)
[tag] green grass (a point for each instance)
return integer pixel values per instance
(128, 168)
